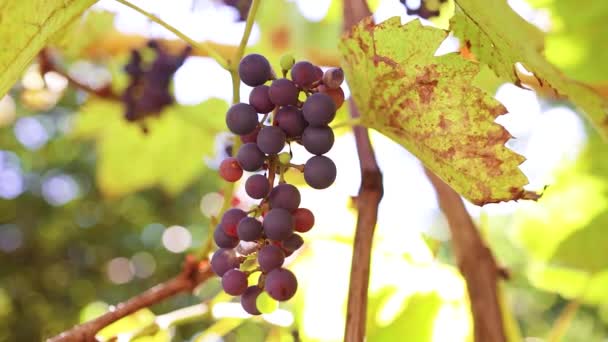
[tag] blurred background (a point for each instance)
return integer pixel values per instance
(93, 210)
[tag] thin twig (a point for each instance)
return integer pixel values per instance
(193, 274)
(202, 46)
(476, 263)
(368, 199)
(563, 321)
(47, 64)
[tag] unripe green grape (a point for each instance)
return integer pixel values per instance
(287, 61)
(284, 158)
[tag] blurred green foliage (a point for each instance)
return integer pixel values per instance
(57, 249)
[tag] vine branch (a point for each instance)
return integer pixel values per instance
(368, 199)
(193, 274)
(476, 263)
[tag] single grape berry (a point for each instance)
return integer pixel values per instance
(271, 139)
(234, 282)
(319, 109)
(257, 186)
(333, 78)
(230, 170)
(270, 257)
(278, 224)
(318, 140)
(281, 284)
(249, 300)
(284, 196)
(293, 243)
(231, 219)
(304, 220)
(336, 94)
(318, 74)
(250, 157)
(223, 259)
(291, 121)
(283, 92)
(287, 61)
(284, 158)
(241, 118)
(319, 172)
(249, 229)
(254, 70)
(222, 239)
(251, 137)
(260, 100)
(303, 74)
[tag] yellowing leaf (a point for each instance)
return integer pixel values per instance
(171, 155)
(430, 106)
(26, 26)
(501, 38)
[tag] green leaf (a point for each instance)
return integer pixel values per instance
(503, 40)
(576, 42)
(415, 322)
(26, 26)
(171, 155)
(430, 106)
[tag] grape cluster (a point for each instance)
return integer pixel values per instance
(423, 11)
(148, 90)
(242, 6)
(296, 110)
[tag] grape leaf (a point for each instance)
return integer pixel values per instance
(26, 26)
(501, 38)
(171, 155)
(430, 106)
(576, 42)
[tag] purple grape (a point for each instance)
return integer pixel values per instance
(241, 119)
(281, 284)
(251, 137)
(333, 78)
(257, 186)
(293, 243)
(319, 172)
(318, 140)
(303, 74)
(271, 139)
(259, 98)
(278, 224)
(319, 109)
(223, 260)
(283, 92)
(249, 229)
(249, 300)
(250, 157)
(254, 70)
(234, 282)
(291, 121)
(270, 257)
(231, 219)
(284, 196)
(222, 239)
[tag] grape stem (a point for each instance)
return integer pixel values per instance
(297, 167)
(209, 50)
(232, 67)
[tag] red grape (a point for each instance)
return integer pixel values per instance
(281, 284)
(230, 170)
(304, 220)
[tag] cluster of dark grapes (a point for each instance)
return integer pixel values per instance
(242, 6)
(148, 90)
(423, 11)
(296, 110)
